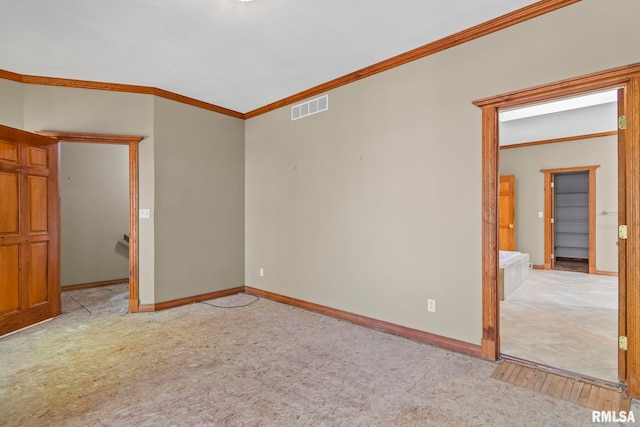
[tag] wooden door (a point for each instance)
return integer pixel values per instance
(29, 229)
(507, 220)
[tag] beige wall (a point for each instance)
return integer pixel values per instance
(82, 110)
(199, 201)
(94, 196)
(525, 163)
(11, 104)
(374, 206)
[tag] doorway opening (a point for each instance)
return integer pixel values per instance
(551, 317)
(571, 225)
(132, 236)
(554, 318)
(571, 222)
(627, 80)
(94, 225)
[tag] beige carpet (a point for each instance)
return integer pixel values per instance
(264, 364)
(566, 320)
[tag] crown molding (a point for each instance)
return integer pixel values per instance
(117, 87)
(524, 14)
(98, 138)
(8, 75)
(557, 140)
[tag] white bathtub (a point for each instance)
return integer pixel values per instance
(514, 269)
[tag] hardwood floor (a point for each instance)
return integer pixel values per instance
(598, 397)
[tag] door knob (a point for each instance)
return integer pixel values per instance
(512, 226)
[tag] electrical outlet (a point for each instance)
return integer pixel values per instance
(431, 305)
(261, 272)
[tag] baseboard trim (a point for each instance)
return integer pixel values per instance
(94, 284)
(146, 308)
(598, 272)
(189, 300)
(606, 273)
(380, 325)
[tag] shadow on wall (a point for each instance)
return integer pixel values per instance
(122, 249)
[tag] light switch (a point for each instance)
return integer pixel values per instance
(145, 214)
(540, 214)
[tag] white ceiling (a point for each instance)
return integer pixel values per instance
(579, 121)
(229, 53)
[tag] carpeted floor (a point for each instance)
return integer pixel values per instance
(566, 320)
(264, 364)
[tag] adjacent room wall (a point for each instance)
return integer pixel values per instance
(11, 104)
(199, 209)
(525, 163)
(94, 200)
(375, 205)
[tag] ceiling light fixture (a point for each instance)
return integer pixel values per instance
(561, 105)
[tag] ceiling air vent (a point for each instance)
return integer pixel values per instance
(316, 105)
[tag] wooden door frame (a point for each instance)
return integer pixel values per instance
(132, 141)
(627, 78)
(549, 212)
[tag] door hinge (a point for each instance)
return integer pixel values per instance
(552, 256)
(622, 232)
(622, 342)
(622, 122)
(553, 184)
(551, 220)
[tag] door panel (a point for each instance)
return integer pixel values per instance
(9, 205)
(9, 266)
(507, 220)
(38, 211)
(29, 224)
(38, 157)
(38, 274)
(8, 152)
